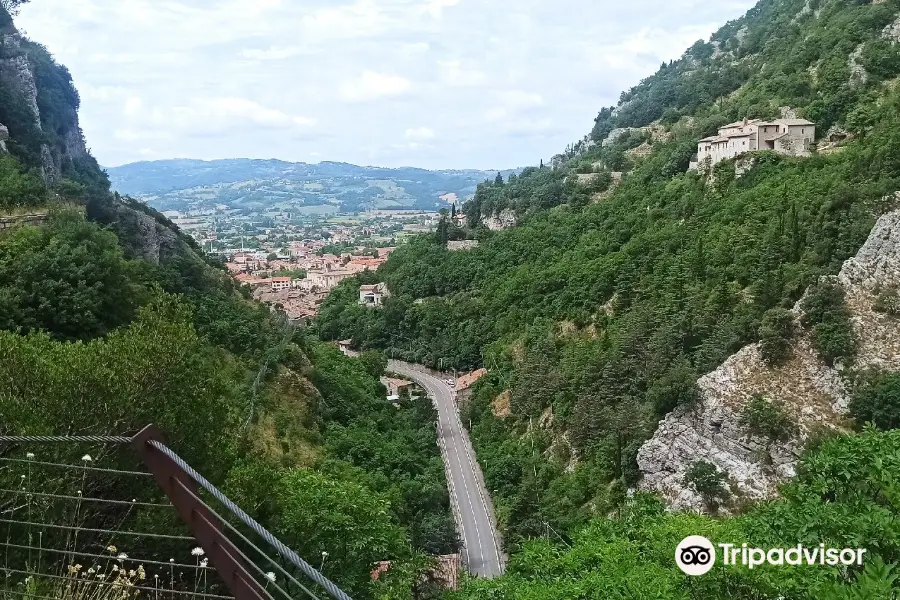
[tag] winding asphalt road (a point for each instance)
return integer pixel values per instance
(474, 518)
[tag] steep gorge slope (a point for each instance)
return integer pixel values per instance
(627, 278)
(814, 395)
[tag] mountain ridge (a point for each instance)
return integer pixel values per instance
(171, 184)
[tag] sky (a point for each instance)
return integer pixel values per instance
(438, 84)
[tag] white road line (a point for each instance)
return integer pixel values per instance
(454, 433)
(454, 499)
(487, 512)
(462, 474)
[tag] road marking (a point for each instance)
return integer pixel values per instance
(487, 513)
(454, 499)
(443, 398)
(469, 498)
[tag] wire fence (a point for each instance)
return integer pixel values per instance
(80, 521)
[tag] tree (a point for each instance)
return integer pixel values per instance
(709, 482)
(339, 524)
(374, 362)
(768, 419)
(68, 278)
(498, 181)
(775, 333)
(878, 401)
(12, 6)
(19, 189)
(825, 313)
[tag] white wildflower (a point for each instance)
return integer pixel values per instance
(29, 455)
(324, 554)
(87, 458)
(204, 562)
(122, 556)
(91, 570)
(115, 568)
(171, 560)
(112, 549)
(270, 576)
(198, 551)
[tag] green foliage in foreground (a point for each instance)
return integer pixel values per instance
(846, 495)
(97, 343)
(19, 189)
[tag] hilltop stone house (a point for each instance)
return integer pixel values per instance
(785, 136)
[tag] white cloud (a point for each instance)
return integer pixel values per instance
(133, 106)
(435, 8)
(372, 86)
(455, 75)
(504, 83)
(419, 134)
(272, 53)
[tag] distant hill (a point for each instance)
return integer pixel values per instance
(264, 184)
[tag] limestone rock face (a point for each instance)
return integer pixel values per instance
(17, 75)
(813, 394)
(503, 220)
(16, 72)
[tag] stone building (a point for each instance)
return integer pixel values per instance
(373, 295)
(785, 136)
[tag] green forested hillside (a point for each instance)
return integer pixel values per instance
(598, 312)
(110, 319)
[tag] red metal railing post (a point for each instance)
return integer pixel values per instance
(182, 491)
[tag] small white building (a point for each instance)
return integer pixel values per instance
(373, 295)
(785, 136)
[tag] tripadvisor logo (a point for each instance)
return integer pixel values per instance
(696, 555)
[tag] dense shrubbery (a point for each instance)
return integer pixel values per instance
(825, 314)
(842, 497)
(878, 401)
(710, 483)
(18, 189)
(767, 418)
(775, 335)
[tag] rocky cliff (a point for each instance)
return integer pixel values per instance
(502, 220)
(813, 394)
(43, 127)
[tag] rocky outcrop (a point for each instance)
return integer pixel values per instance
(858, 74)
(503, 220)
(892, 31)
(17, 75)
(814, 395)
(16, 72)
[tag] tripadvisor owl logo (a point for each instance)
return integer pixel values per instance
(695, 555)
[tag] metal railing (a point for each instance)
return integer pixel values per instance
(59, 513)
